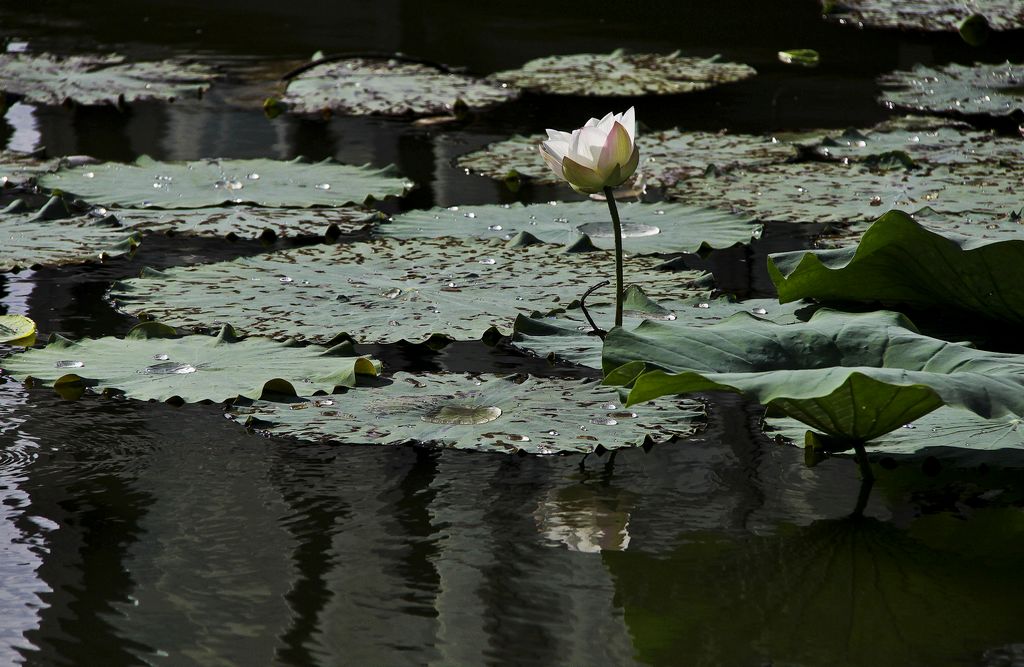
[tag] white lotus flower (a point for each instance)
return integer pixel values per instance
(599, 155)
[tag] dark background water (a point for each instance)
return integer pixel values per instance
(148, 534)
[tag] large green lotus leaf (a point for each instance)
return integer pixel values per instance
(387, 290)
(993, 90)
(945, 428)
(51, 236)
(621, 74)
(665, 157)
(847, 592)
(930, 15)
(567, 336)
(252, 221)
(91, 80)
(148, 365)
(482, 412)
(925, 140)
(362, 86)
(18, 168)
(151, 184)
(854, 377)
(827, 192)
(646, 228)
(900, 261)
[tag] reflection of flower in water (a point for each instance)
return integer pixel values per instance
(588, 518)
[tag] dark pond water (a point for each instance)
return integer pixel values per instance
(148, 534)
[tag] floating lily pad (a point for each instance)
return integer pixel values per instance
(992, 90)
(665, 157)
(900, 261)
(928, 15)
(386, 290)
(945, 428)
(817, 192)
(851, 377)
(15, 328)
(18, 168)
(362, 86)
(567, 336)
(621, 74)
(646, 228)
(52, 235)
(251, 221)
(149, 365)
(92, 80)
(150, 184)
(481, 412)
(925, 141)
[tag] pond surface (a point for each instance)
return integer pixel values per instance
(140, 533)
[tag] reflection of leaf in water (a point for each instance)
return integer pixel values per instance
(838, 592)
(588, 518)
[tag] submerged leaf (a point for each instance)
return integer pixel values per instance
(900, 261)
(363, 86)
(646, 228)
(92, 80)
(993, 90)
(665, 157)
(482, 412)
(622, 74)
(385, 290)
(150, 184)
(148, 365)
(852, 377)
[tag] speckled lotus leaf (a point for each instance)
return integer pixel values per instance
(148, 365)
(17, 168)
(646, 228)
(828, 192)
(993, 90)
(568, 337)
(150, 184)
(900, 261)
(925, 141)
(928, 15)
(665, 157)
(386, 290)
(361, 86)
(480, 412)
(850, 376)
(944, 428)
(248, 221)
(51, 236)
(93, 80)
(621, 74)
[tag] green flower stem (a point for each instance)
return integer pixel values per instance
(617, 226)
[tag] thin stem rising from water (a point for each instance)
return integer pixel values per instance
(617, 227)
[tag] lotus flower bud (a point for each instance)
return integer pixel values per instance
(600, 154)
